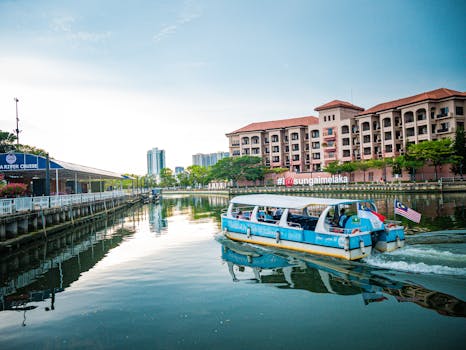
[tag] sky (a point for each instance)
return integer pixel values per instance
(100, 83)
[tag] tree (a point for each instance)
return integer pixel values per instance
(411, 164)
(459, 147)
(238, 168)
(199, 175)
(7, 140)
(348, 167)
(438, 152)
(166, 178)
(363, 165)
(333, 167)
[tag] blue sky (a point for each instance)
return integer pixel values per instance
(101, 82)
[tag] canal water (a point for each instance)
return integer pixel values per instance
(162, 277)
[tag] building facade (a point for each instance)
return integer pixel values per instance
(209, 159)
(155, 162)
(344, 132)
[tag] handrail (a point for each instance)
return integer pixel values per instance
(13, 205)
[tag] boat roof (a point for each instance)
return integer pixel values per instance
(290, 202)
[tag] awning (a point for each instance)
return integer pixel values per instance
(30, 165)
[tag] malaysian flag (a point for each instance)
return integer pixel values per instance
(408, 213)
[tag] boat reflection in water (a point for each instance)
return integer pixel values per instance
(287, 269)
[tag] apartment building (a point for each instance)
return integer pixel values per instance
(345, 132)
(208, 159)
(281, 143)
(387, 128)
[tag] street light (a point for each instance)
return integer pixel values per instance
(17, 122)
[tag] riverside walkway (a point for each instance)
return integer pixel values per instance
(26, 219)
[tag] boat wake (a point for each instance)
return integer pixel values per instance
(442, 259)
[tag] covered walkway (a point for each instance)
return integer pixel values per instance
(62, 177)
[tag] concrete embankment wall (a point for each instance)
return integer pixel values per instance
(393, 187)
(24, 227)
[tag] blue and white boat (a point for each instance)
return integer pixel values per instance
(312, 225)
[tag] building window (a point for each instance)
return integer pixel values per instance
(274, 138)
(295, 147)
(366, 126)
(444, 111)
(367, 138)
(275, 149)
(314, 133)
(330, 131)
(315, 145)
(346, 153)
(325, 118)
(287, 148)
(245, 141)
(345, 129)
(294, 136)
(459, 110)
(296, 157)
(275, 159)
(409, 117)
(367, 151)
(387, 122)
(410, 132)
(315, 155)
(388, 148)
(346, 141)
(388, 136)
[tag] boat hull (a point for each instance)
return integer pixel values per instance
(349, 254)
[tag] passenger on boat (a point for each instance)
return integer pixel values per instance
(342, 219)
(240, 215)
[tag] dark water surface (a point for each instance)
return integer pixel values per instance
(161, 277)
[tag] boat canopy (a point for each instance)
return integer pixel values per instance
(290, 202)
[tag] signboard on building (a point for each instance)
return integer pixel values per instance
(23, 161)
(311, 181)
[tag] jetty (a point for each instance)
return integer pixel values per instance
(27, 219)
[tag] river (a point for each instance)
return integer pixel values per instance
(162, 277)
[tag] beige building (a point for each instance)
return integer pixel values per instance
(344, 132)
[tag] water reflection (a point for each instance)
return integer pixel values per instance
(287, 270)
(42, 270)
(157, 220)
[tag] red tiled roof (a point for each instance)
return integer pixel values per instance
(338, 103)
(430, 95)
(278, 124)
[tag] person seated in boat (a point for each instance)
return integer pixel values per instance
(278, 213)
(240, 215)
(343, 218)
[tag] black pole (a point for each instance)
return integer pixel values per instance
(47, 175)
(17, 122)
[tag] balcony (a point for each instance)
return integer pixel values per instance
(444, 115)
(440, 131)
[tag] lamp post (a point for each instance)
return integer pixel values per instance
(17, 122)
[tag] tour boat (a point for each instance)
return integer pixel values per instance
(312, 225)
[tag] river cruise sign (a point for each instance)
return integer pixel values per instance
(311, 181)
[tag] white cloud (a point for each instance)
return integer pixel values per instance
(164, 32)
(90, 37)
(62, 24)
(189, 12)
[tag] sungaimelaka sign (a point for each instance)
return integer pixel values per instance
(311, 181)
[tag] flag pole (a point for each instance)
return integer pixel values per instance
(394, 210)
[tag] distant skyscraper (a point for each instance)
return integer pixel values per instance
(179, 170)
(155, 162)
(209, 159)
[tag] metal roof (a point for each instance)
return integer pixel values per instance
(30, 165)
(291, 202)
